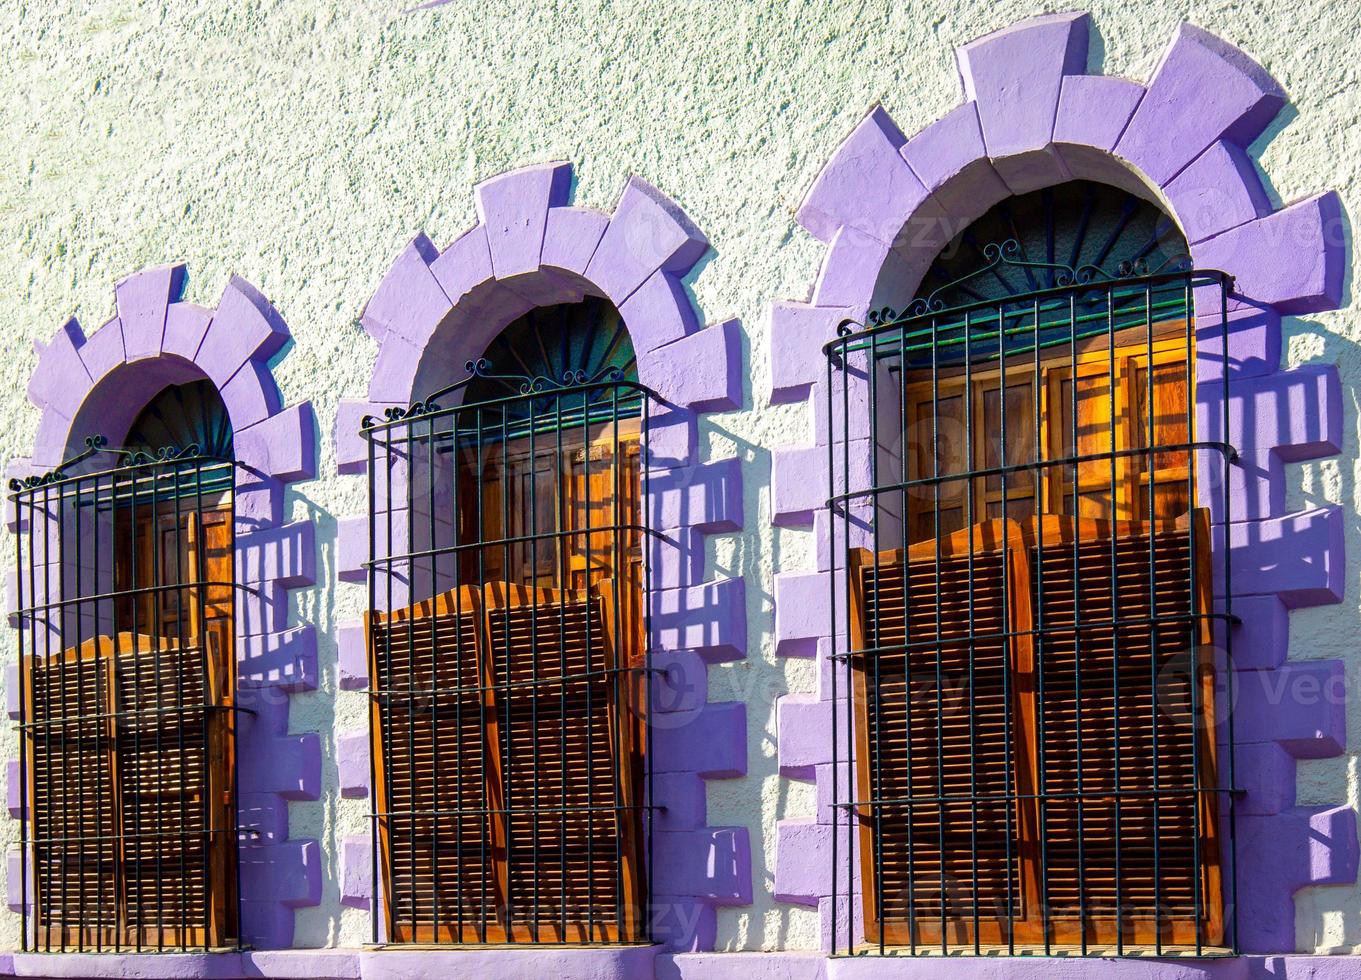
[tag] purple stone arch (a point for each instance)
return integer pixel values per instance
(98, 384)
(436, 310)
(1033, 117)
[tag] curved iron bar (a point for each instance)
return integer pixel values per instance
(526, 388)
(127, 459)
(1173, 269)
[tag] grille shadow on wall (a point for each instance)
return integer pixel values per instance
(1030, 616)
(509, 670)
(127, 702)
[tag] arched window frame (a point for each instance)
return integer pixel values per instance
(1035, 116)
(84, 384)
(437, 308)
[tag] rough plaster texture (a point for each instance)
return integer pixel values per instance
(299, 145)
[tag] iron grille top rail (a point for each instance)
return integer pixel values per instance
(1022, 781)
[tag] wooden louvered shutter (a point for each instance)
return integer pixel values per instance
(432, 723)
(940, 862)
(1093, 572)
(74, 812)
(564, 743)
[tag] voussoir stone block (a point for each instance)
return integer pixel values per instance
(409, 301)
(142, 300)
(1204, 90)
(513, 207)
(647, 232)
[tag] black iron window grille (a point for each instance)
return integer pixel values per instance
(127, 702)
(1032, 620)
(508, 660)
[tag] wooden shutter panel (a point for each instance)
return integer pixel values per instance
(565, 744)
(1075, 563)
(914, 684)
(74, 813)
(163, 788)
(433, 721)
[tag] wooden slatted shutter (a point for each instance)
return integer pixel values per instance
(940, 697)
(433, 722)
(74, 812)
(563, 745)
(941, 729)
(142, 781)
(1119, 600)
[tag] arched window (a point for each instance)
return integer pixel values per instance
(127, 648)
(506, 642)
(1028, 569)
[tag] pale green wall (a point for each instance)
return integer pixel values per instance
(301, 145)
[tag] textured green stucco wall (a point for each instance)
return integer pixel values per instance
(301, 144)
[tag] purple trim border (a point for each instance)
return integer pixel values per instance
(156, 338)
(886, 204)
(531, 248)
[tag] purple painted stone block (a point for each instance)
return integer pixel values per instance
(679, 797)
(244, 328)
(682, 922)
(698, 371)
(397, 365)
(797, 332)
(356, 872)
(675, 557)
(1281, 853)
(1293, 260)
(250, 395)
(513, 207)
(1300, 705)
(409, 301)
(706, 497)
(60, 378)
(803, 859)
(1266, 774)
(1252, 339)
(284, 445)
(867, 185)
(352, 450)
(1094, 110)
(286, 660)
(1219, 190)
(1262, 641)
(710, 619)
(950, 160)
(286, 556)
(659, 313)
(1015, 75)
(711, 742)
(849, 276)
(679, 688)
(647, 232)
(352, 657)
(571, 238)
(12, 690)
(803, 726)
(290, 872)
(12, 800)
(14, 876)
(289, 765)
(712, 863)
(1299, 557)
(104, 350)
(801, 612)
(1203, 90)
(460, 268)
(142, 299)
(185, 327)
(352, 764)
(1298, 413)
